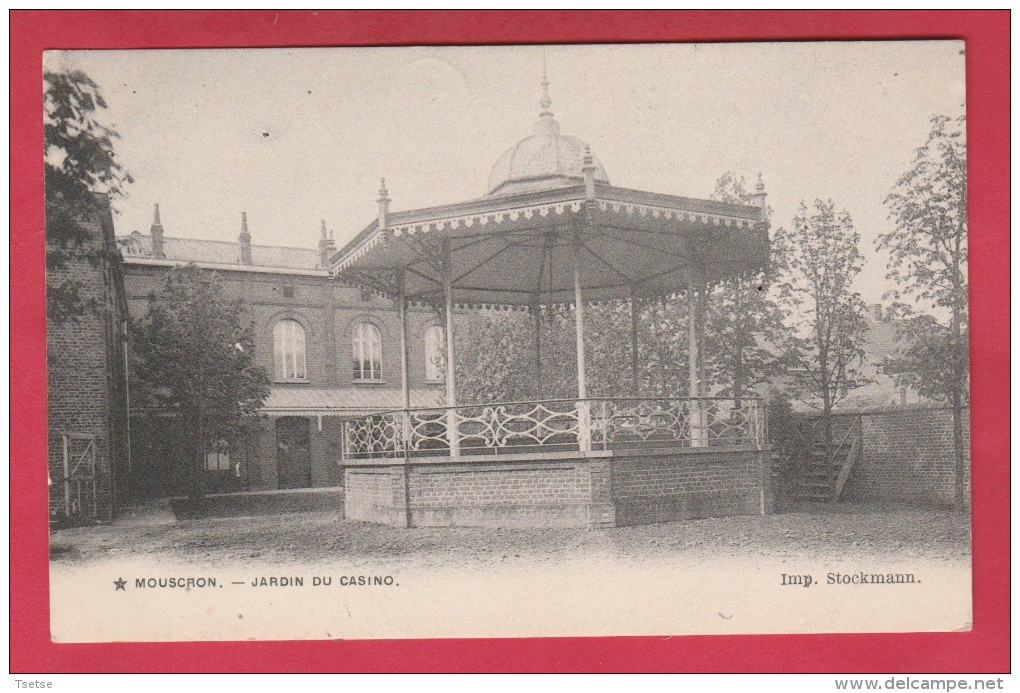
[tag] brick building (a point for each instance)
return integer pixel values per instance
(330, 350)
(87, 393)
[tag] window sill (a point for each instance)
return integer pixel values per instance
(291, 382)
(357, 381)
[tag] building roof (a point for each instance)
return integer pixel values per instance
(545, 159)
(344, 401)
(517, 248)
(177, 250)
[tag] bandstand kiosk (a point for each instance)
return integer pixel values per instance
(553, 231)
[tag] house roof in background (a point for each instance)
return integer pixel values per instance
(177, 250)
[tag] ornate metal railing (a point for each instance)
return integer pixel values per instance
(556, 425)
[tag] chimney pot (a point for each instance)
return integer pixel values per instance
(245, 239)
(157, 235)
(326, 247)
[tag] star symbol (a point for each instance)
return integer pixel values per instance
(120, 582)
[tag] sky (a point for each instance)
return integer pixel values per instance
(293, 136)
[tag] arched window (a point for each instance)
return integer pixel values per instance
(367, 352)
(289, 350)
(435, 354)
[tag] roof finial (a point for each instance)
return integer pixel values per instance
(323, 229)
(758, 197)
(155, 215)
(589, 174)
(384, 204)
(546, 102)
(244, 224)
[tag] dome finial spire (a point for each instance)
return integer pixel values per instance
(546, 102)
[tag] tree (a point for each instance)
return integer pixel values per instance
(931, 360)
(829, 326)
(928, 262)
(195, 359)
(81, 172)
(744, 333)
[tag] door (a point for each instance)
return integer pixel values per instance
(80, 478)
(293, 456)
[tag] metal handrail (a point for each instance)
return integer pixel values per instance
(756, 400)
(589, 424)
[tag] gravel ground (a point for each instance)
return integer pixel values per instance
(317, 537)
(723, 575)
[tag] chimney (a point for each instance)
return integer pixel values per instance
(903, 395)
(384, 204)
(876, 311)
(326, 247)
(157, 235)
(245, 239)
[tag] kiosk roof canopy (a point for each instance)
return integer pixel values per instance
(519, 249)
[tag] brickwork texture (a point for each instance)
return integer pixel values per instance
(908, 456)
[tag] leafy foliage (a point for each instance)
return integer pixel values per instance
(928, 262)
(81, 173)
(195, 358)
(928, 247)
(932, 359)
(828, 316)
(745, 335)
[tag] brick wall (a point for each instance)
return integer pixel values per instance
(649, 488)
(908, 456)
(85, 385)
(501, 495)
(562, 490)
(375, 495)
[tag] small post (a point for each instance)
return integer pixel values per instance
(635, 371)
(694, 371)
(451, 382)
(536, 323)
(405, 389)
(583, 411)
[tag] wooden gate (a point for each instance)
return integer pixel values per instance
(80, 478)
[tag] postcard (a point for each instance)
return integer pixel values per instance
(507, 341)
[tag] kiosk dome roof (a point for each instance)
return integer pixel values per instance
(545, 159)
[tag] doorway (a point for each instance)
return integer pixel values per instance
(293, 453)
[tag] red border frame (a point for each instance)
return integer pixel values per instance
(984, 649)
